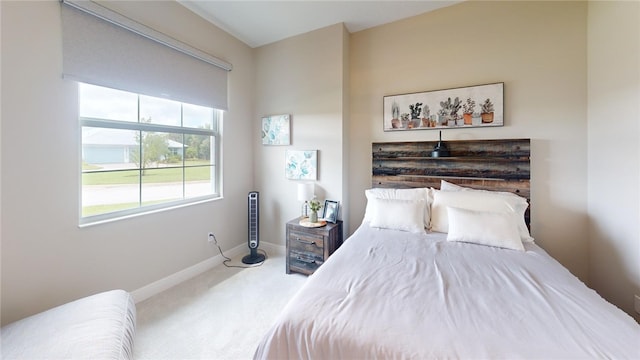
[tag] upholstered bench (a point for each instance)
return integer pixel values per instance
(100, 326)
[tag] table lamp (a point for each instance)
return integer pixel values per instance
(305, 192)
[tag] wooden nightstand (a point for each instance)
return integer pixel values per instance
(308, 248)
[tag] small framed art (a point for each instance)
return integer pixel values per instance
(301, 164)
(330, 212)
(276, 130)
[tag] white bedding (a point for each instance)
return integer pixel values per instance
(394, 294)
(97, 327)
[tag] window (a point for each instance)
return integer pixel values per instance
(142, 153)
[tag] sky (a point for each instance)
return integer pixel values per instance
(110, 104)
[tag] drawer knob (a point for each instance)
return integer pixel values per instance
(305, 241)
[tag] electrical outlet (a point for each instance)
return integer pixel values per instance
(211, 238)
(636, 303)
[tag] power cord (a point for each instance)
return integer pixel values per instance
(227, 259)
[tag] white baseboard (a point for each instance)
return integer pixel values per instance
(172, 280)
(273, 249)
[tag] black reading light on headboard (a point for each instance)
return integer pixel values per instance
(441, 149)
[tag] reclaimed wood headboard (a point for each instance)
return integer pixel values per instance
(498, 165)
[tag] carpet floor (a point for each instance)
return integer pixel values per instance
(222, 313)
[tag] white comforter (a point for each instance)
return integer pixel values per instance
(390, 294)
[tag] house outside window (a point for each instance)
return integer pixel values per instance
(142, 153)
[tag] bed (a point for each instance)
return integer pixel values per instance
(474, 285)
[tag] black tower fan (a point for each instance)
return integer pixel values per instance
(254, 257)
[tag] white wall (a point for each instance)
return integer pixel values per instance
(538, 49)
(46, 258)
(302, 76)
(614, 150)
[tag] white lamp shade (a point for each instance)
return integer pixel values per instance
(305, 191)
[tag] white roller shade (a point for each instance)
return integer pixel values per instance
(104, 48)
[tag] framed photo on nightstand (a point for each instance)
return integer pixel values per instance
(330, 212)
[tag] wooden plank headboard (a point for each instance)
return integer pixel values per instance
(498, 165)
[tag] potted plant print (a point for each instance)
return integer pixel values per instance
(476, 119)
(433, 120)
(416, 109)
(405, 119)
(451, 110)
(445, 111)
(426, 112)
(487, 112)
(455, 107)
(395, 112)
(443, 115)
(467, 111)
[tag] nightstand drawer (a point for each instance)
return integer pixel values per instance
(310, 243)
(304, 262)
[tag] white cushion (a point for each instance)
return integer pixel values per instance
(447, 186)
(400, 194)
(517, 201)
(483, 227)
(475, 200)
(396, 214)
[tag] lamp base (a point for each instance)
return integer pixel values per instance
(305, 209)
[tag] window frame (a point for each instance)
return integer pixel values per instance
(215, 163)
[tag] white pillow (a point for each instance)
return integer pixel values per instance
(400, 194)
(447, 186)
(522, 225)
(396, 214)
(476, 200)
(483, 227)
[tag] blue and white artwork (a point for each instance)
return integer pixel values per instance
(301, 164)
(276, 130)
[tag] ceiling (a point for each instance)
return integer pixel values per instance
(258, 23)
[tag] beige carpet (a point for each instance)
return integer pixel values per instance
(220, 314)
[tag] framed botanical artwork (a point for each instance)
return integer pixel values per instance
(301, 164)
(276, 130)
(464, 107)
(330, 212)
